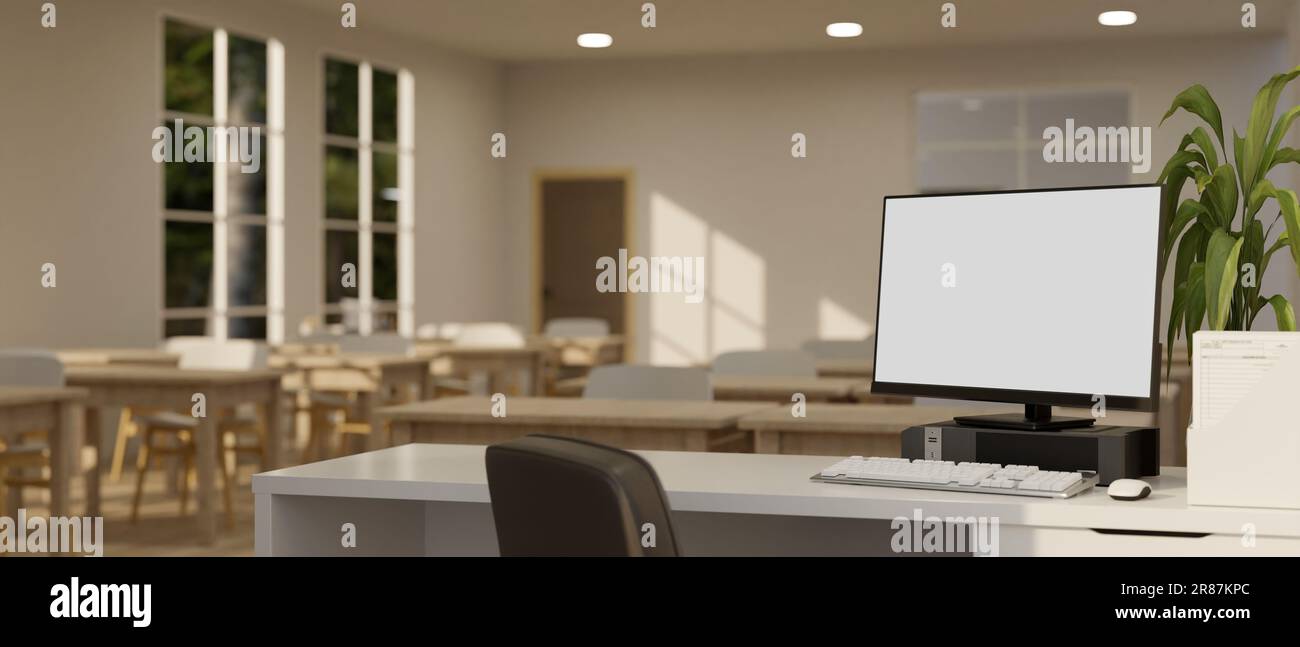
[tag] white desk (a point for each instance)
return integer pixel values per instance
(423, 499)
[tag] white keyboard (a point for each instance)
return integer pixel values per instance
(991, 478)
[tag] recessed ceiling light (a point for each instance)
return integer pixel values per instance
(844, 30)
(1117, 18)
(595, 40)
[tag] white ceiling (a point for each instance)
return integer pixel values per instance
(523, 30)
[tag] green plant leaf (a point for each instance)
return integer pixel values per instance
(1175, 324)
(1283, 240)
(1222, 191)
(1257, 129)
(1197, 100)
(1220, 276)
(1173, 189)
(1188, 211)
(1284, 156)
(1262, 191)
(1203, 141)
(1252, 251)
(1238, 144)
(1181, 158)
(1282, 310)
(1275, 139)
(1189, 246)
(1290, 206)
(1286, 199)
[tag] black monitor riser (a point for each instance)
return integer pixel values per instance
(1038, 417)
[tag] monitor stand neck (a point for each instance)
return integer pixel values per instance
(1038, 417)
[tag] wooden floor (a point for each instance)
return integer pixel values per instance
(161, 531)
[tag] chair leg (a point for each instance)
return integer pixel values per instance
(13, 499)
(187, 465)
(125, 429)
(226, 488)
(141, 466)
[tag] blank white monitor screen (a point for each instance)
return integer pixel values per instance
(1034, 291)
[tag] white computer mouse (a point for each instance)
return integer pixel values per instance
(1128, 489)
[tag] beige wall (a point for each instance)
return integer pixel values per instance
(80, 189)
(791, 245)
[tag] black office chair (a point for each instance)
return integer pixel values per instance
(554, 496)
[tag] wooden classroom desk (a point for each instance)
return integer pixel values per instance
(494, 363)
(630, 424)
(58, 412)
(584, 351)
(172, 389)
(373, 377)
(780, 388)
(846, 429)
(863, 368)
(117, 356)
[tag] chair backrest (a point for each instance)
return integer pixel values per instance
(792, 363)
(576, 327)
(384, 344)
(554, 496)
(496, 334)
(207, 354)
(635, 382)
(30, 367)
(840, 348)
(350, 307)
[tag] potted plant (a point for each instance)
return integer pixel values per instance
(1216, 240)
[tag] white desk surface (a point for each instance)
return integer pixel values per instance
(774, 485)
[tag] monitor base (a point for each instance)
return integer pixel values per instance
(1038, 417)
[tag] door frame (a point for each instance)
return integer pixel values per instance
(543, 175)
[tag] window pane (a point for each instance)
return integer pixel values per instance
(246, 328)
(385, 258)
(972, 170)
(340, 248)
(384, 185)
(246, 255)
(341, 183)
(185, 328)
(385, 322)
(944, 118)
(187, 185)
(188, 264)
(187, 72)
(384, 106)
(248, 190)
(247, 77)
(341, 103)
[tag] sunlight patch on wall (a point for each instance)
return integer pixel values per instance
(737, 296)
(834, 321)
(678, 330)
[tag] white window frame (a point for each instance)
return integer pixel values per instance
(365, 226)
(1021, 141)
(219, 312)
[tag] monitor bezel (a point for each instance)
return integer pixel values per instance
(1017, 396)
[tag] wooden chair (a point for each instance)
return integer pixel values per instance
(25, 463)
(169, 433)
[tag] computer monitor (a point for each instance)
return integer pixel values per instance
(1041, 297)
